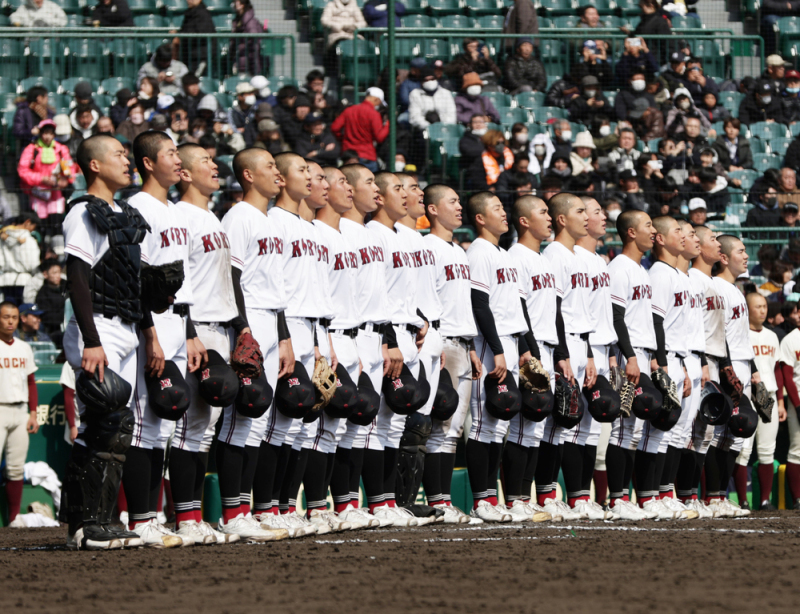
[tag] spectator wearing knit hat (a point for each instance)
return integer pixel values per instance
(523, 72)
(469, 101)
(119, 110)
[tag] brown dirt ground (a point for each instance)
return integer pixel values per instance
(695, 566)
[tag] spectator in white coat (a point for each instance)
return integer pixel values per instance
(430, 103)
(39, 14)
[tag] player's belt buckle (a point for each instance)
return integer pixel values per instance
(181, 310)
(347, 332)
(411, 328)
(370, 327)
(436, 324)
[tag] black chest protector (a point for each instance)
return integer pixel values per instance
(114, 281)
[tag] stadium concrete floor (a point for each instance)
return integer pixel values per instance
(743, 565)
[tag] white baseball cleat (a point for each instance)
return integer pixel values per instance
(269, 521)
(557, 517)
(737, 511)
(357, 519)
(701, 508)
(520, 511)
(320, 517)
(556, 507)
(662, 512)
(677, 506)
(191, 529)
(489, 513)
(398, 519)
(592, 510)
(452, 515)
(408, 515)
(153, 535)
(293, 519)
(627, 510)
(219, 536)
(720, 509)
(249, 529)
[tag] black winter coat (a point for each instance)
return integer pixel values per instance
(197, 20)
(114, 15)
(751, 113)
(520, 72)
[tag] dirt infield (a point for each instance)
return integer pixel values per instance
(741, 565)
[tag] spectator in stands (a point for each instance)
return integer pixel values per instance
(520, 174)
(761, 105)
(178, 123)
(767, 255)
(243, 111)
(292, 129)
(604, 137)
(733, 149)
(412, 82)
(209, 143)
(581, 156)
(675, 75)
(709, 159)
(104, 126)
(63, 128)
(520, 139)
(634, 99)
(562, 92)
(469, 101)
(625, 154)
(697, 83)
(444, 81)
(197, 19)
(471, 146)
(790, 101)
(30, 324)
(316, 142)
(192, 94)
(315, 85)
(766, 211)
(166, 71)
(594, 62)
(360, 126)
(540, 154)
(83, 96)
(229, 140)
(698, 213)
(430, 104)
(148, 94)
(135, 124)
(661, 191)
(562, 138)
(523, 72)
(29, 113)
(560, 167)
(714, 191)
(632, 195)
(775, 72)
(342, 18)
(45, 169)
(119, 110)
(712, 110)
(636, 59)
(82, 120)
(789, 217)
(376, 13)
(246, 51)
(38, 14)
(475, 59)
(591, 102)
(771, 12)
(520, 19)
(693, 137)
(495, 158)
(286, 96)
(654, 21)
(787, 187)
(112, 14)
(20, 255)
(51, 299)
(682, 112)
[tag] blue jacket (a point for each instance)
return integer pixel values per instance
(379, 18)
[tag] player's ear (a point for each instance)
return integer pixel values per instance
(524, 222)
(149, 164)
(247, 175)
(186, 175)
(94, 166)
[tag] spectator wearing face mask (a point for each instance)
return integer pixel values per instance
(470, 145)
(496, 158)
(605, 139)
(469, 101)
(712, 110)
(430, 104)
(634, 98)
(684, 110)
(540, 154)
(790, 101)
(733, 150)
(520, 140)
(761, 105)
(243, 111)
(581, 156)
(766, 212)
(562, 138)
(523, 72)
(636, 59)
(590, 103)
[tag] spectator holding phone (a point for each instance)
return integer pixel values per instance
(636, 58)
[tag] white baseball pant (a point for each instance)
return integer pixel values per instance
(445, 434)
(627, 432)
(588, 429)
(723, 438)
(430, 357)
(369, 343)
(681, 433)
(527, 433)
(14, 438)
(485, 427)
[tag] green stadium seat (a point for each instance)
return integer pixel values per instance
(12, 59)
(533, 129)
(404, 49)
(439, 132)
(4, 21)
(484, 7)
(628, 7)
(209, 85)
(794, 129)
(758, 146)
(714, 60)
(150, 21)
(436, 49)
(366, 66)
(142, 7)
(493, 126)
(611, 96)
(89, 58)
(80, 182)
(223, 22)
(60, 102)
(780, 145)
(218, 6)
(229, 85)
(416, 21)
(278, 81)
(67, 86)
(414, 7)
(71, 7)
(553, 56)
(560, 7)
(499, 99)
(175, 7)
(682, 23)
(530, 100)
(51, 85)
(73, 21)
(766, 131)
(512, 115)
(224, 100)
(8, 101)
(454, 21)
(652, 145)
(113, 84)
(566, 21)
(747, 177)
(604, 7)
(731, 101)
(494, 22)
(762, 162)
(719, 127)
(47, 58)
(546, 113)
(129, 54)
(437, 8)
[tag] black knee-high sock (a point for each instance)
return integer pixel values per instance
(714, 488)
(340, 480)
(432, 478)
(356, 466)
(200, 465)
(589, 459)
(515, 461)
(675, 464)
(727, 462)
(495, 456)
(572, 466)
(156, 477)
(700, 460)
(447, 463)
(687, 463)
(372, 472)
(661, 460)
(616, 461)
(530, 472)
(264, 480)
(645, 469)
(478, 468)
(314, 480)
(631, 455)
(294, 477)
(182, 468)
(281, 471)
(136, 481)
(548, 457)
(249, 464)
(230, 460)
(389, 473)
(330, 462)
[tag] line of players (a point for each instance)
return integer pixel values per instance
(310, 278)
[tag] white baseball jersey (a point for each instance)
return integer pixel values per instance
(631, 290)
(16, 364)
(342, 270)
(766, 348)
(695, 332)
(671, 302)
(600, 298)
(492, 271)
(257, 251)
(453, 286)
(572, 287)
(789, 354)
(306, 296)
(81, 238)
(209, 268)
(168, 239)
(371, 296)
(537, 283)
(713, 313)
(424, 262)
(737, 320)
(401, 280)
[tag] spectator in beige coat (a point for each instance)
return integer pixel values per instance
(342, 18)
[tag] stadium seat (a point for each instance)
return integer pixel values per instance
(67, 86)
(553, 56)
(794, 129)
(439, 132)
(8, 101)
(499, 99)
(604, 7)
(129, 54)
(484, 7)
(764, 161)
(494, 22)
(366, 50)
(512, 115)
(534, 129)
(731, 101)
(719, 127)
(225, 100)
(80, 182)
(611, 96)
(219, 6)
(60, 102)
(73, 21)
(714, 60)
(223, 22)
(545, 113)
(780, 145)
(89, 58)
(71, 7)
(436, 49)
(652, 145)
(454, 21)
(210, 85)
(51, 85)
(758, 146)
(12, 59)
(47, 58)
(149, 21)
(555, 8)
(416, 21)
(113, 84)
(229, 85)
(530, 100)
(682, 23)
(278, 81)
(766, 131)
(628, 7)
(404, 49)
(414, 7)
(438, 8)
(142, 7)
(566, 21)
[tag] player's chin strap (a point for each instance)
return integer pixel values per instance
(411, 458)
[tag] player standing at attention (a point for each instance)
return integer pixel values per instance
(790, 367)
(452, 278)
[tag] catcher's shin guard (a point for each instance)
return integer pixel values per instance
(411, 459)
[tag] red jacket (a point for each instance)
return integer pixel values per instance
(358, 128)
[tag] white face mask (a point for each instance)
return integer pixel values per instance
(605, 130)
(590, 93)
(521, 137)
(250, 99)
(638, 85)
(765, 100)
(684, 105)
(479, 131)
(566, 135)
(474, 90)
(613, 215)
(142, 96)
(539, 150)
(399, 166)
(430, 86)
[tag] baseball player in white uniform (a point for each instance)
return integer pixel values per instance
(766, 348)
(790, 368)
(452, 282)
(499, 317)
(257, 248)
(174, 339)
(631, 294)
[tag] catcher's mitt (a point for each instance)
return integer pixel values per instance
(324, 380)
(731, 384)
(160, 284)
(567, 411)
(666, 386)
(246, 358)
(532, 376)
(619, 382)
(762, 401)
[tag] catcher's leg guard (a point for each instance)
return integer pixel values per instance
(411, 459)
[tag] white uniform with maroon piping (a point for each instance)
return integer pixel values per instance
(16, 364)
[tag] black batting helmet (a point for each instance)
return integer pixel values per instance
(110, 395)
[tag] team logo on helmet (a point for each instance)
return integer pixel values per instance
(206, 374)
(338, 383)
(595, 395)
(638, 391)
(246, 381)
(735, 411)
(502, 388)
(293, 381)
(165, 383)
(397, 384)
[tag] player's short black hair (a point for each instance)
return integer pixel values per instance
(560, 204)
(284, 160)
(246, 159)
(434, 193)
(726, 243)
(627, 220)
(184, 152)
(90, 149)
(382, 181)
(523, 207)
(477, 203)
(8, 304)
(352, 173)
(147, 145)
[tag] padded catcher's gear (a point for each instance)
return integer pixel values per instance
(110, 395)
(160, 284)
(567, 409)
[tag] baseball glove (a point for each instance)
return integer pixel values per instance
(324, 380)
(533, 376)
(666, 386)
(567, 411)
(246, 358)
(731, 385)
(762, 401)
(160, 284)
(619, 382)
